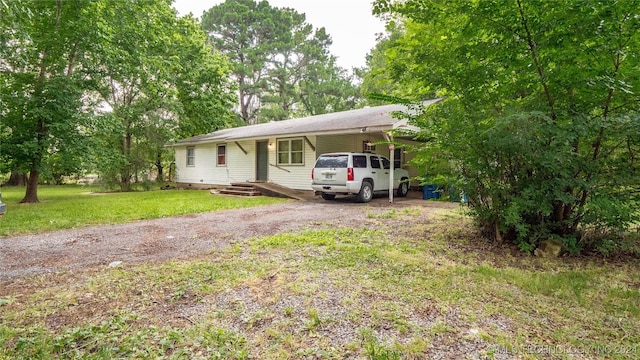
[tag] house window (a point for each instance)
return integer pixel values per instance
(368, 147)
(222, 155)
(290, 152)
(191, 156)
(397, 158)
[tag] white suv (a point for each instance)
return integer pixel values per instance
(356, 173)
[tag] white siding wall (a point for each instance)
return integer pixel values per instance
(350, 143)
(241, 167)
(292, 176)
(205, 170)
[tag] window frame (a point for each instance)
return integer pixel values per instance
(224, 163)
(398, 158)
(368, 147)
(191, 158)
(289, 152)
(377, 162)
(385, 163)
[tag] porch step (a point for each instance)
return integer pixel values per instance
(240, 190)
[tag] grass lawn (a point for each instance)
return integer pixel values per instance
(65, 207)
(406, 284)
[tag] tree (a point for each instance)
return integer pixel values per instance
(158, 84)
(381, 76)
(241, 29)
(44, 59)
(326, 88)
(541, 123)
(297, 49)
(81, 83)
(275, 54)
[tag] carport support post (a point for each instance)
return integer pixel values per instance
(389, 137)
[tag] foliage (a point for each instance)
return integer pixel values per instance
(540, 123)
(83, 88)
(66, 207)
(379, 75)
(327, 88)
(44, 66)
(280, 62)
(160, 84)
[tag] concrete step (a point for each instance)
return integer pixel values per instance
(242, 185)
(245, 191)
(240, 188)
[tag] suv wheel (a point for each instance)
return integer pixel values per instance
(403, 188)
(366, 192)
(328, 196)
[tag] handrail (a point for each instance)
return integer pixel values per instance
(279, 167)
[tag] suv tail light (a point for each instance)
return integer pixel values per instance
(312, 171)
(349, 174)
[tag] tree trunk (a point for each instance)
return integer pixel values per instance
(125, 172)
(171, 172)
(31, 195)
(17, 179)
(160, 168)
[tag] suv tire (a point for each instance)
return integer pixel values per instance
(366, 192)
(403, 188)
(328, 196)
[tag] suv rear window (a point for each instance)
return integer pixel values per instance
(332, 161)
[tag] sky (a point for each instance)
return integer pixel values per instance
(349, 22)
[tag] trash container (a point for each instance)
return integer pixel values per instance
(430, 191)
(456, 195)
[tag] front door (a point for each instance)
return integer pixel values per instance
(262, 161)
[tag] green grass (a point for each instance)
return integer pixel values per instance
(407, 286)
(65, 207)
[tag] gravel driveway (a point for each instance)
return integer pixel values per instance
(171, 238)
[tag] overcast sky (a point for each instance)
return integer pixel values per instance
(349, 22)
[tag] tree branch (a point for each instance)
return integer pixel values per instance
(536, 62)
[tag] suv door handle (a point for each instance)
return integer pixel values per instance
(373, 172)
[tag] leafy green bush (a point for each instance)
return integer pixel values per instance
(540, 129)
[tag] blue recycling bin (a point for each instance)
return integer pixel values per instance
(430, 191)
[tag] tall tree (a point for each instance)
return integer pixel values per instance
(81, 82)
(541, 120)
(383, 76)
(157, 83)
(43, 67)
(242, 30)
(275, 53)
(326, 87)
(296, 50)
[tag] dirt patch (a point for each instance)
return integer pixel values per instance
(174, 237)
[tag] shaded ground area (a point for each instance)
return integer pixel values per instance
(174, 237)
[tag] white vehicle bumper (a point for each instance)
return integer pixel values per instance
(351, 187)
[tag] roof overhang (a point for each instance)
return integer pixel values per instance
(366, 120)
(363, 130)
